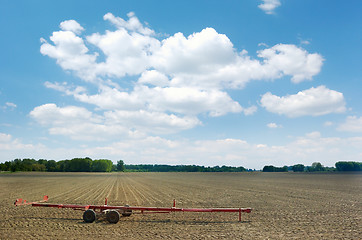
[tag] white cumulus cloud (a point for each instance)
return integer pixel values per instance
(133, 24)
(203, 59)
(71, 54)
(75, 122)
(189, 101)
(151, 122)
(250, 110)
(81, 124)
(311, 102)
(268, 6)
(287, 59)
(173, 80)
(155, 78)
(199, 52)
(352, 124)
(71, 25)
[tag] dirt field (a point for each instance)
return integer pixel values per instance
(285, 205)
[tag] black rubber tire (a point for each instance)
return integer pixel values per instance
(126, 213)
(112, 216)
(89, 216)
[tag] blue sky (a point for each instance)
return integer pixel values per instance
(240, 83)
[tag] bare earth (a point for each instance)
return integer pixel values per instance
(285, 205)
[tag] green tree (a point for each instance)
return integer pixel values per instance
(316, 167)
(6, 166)
(42, 161)
(51, 166)
(298, 168)
(27, 164)
(63, 166)
(348, 166)
(16, 165)
(38, 167)
(102, 165)
(114, 168)
(3, 167)
(269, 168)
(80, 165)
(120, 166)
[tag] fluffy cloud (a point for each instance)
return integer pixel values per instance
(71, 54)
(71, 25)
(186, 100)
(198, 53)
(81, 124)
(151, 122)
(8, 144)
(75, 122)
(126, 53)
(133, 24)
(189, 101)
(311, 102)
(250, 110)
(154, 78)
(352, 124)
(204, 59)
(268, 6)
(110, 98)
(286, 59)
(169, 82)
(50, 113)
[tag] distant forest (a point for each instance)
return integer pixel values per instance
(181, 168)
(317, 167)
(105, 165)
(74, 165)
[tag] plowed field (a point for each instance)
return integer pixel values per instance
(285, 205)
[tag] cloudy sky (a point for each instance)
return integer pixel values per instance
(240, 83)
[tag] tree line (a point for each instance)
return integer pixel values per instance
(340, 166)
(105, 165)
(73, 165)
(181, 168)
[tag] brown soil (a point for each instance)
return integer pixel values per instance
(285, 205)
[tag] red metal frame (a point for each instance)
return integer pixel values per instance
(104, 209)
(20, 201)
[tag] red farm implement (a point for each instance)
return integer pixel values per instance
(113, 213)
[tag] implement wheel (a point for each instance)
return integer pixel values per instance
(126, 213)
(112, 216)
(89, 216)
